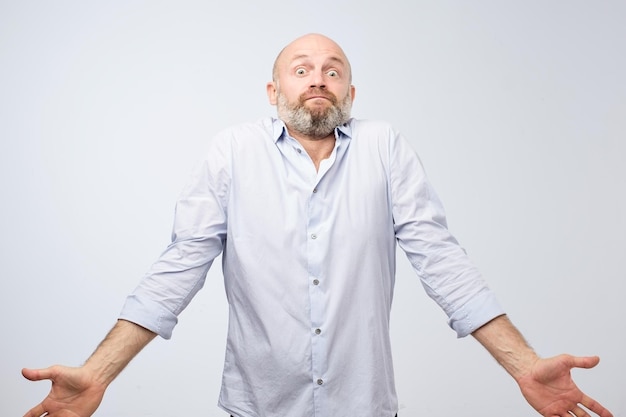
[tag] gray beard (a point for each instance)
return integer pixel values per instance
(314, 124)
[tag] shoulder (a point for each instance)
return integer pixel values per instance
(372, 133)
(246, 132)
(368, 125)
(380, 137)
(239, 140)
(369, 129)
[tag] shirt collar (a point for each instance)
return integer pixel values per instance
(279, 129)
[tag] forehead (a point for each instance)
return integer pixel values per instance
(313, 48)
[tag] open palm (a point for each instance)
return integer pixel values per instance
(550, 390)
(73, 394)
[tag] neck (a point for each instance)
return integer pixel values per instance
(317, 148)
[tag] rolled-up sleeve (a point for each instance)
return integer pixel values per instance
(445, 270)
(198, 237)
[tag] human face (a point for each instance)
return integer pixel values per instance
(311, 86)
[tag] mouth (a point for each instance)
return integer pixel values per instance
(318, 98)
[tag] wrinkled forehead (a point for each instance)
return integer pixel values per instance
(312, 48)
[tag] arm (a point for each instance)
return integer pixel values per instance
(77, 392)
(545, 383)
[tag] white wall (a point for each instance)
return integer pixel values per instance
(518, 110)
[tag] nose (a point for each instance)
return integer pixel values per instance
(317, 80)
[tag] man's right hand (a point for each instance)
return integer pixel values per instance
(77, 392)
(74, 392)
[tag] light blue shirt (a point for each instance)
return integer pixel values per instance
(309, 266)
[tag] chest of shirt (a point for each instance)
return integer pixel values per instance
(276, 191)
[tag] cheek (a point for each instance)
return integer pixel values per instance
(342, 93)
(283, 92)
(340, 88)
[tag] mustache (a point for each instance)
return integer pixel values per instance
(318, 92)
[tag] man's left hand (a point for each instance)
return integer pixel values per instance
(550, 390)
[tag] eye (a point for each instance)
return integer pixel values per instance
(333, 73)
(300, 71)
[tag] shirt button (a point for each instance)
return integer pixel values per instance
(316, 282)
(318, 331)
(299, 150)
(314, 190)
(320, 382)
(313, 236)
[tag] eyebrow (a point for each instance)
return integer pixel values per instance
(332, 58)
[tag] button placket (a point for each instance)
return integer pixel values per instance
(316, 249)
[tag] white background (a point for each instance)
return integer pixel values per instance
(517, 109)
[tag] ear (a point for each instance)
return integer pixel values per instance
(271, 92)
(352, 92)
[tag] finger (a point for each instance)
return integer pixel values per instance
(584, 361)
(36, 411)
(37, 374)
(591, 404)
(579, 412)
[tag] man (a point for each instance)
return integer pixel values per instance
(307, 210)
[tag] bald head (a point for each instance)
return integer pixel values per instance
(312, 42)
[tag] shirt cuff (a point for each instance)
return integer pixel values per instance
(149, 314)
(481, 309)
